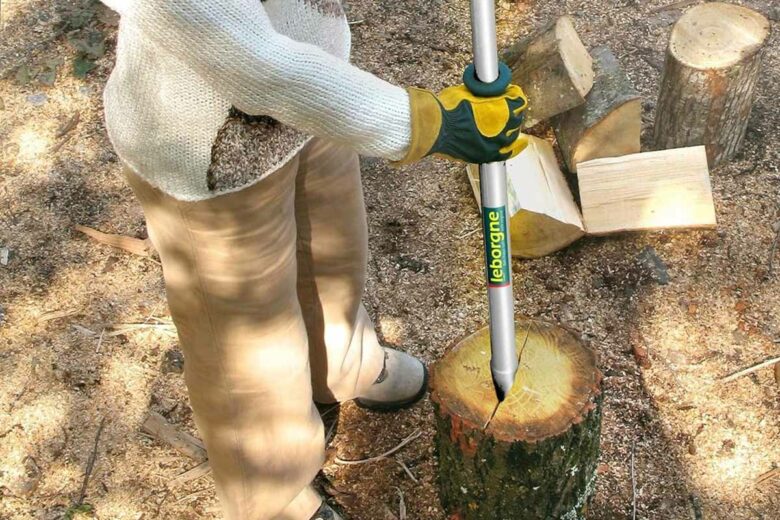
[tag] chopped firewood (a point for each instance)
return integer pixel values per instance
(712, 67)
(610, 121)
(543, 217)
(553, 68)
(654, 190)
(156, 426)
(132, 245)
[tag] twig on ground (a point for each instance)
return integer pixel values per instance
(90, 464)
(58, 314)
(773, 249)
(468, 233)
(330, 433)
(326, 412)
(69, 125)
(750, 370)
(132, 245)
(84, 330)
(384, 455)
(768, 476)
(100, 340)
(161, 430)
(194, 473)
(406, 469)
(675, 5)
(633, 481)
(401, 505)
(356, 22)
(159, 506)
(123, 328)
(185, 497)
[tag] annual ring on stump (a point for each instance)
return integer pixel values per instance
(717, 35)
(536, 458)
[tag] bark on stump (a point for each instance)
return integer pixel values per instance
(609, 123)
(712, 64)
(536, 459)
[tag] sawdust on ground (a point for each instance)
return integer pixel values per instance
(699, 444)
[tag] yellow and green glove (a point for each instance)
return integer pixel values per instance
(462, 126)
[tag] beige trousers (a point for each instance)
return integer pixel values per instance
(264, 286)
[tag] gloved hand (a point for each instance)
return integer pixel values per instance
(458, 125)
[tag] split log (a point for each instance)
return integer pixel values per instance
(554, 69)
(537, 457)
(543, 217)
(653, 190)
(712, 66)
(610, 121)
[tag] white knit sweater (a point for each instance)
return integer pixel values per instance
(181, 65)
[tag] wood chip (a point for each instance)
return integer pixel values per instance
(132, 245)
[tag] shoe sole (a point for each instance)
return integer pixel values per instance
(394, 406)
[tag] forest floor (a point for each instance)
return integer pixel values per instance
(699, 445)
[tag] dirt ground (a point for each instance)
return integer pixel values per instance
(699, 444)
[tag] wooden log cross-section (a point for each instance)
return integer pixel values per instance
(712, 65)
(554, 69)
(609, 124)
(537, 457)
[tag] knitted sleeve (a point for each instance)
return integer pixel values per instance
(234, 47)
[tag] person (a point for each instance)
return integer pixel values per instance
(265, 267)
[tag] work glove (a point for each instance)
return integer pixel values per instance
(459, 125)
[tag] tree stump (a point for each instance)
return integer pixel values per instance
(712, 65)
(609, 123)
(536, 459)
(554, 69)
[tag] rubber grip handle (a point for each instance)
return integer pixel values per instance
(492, 89)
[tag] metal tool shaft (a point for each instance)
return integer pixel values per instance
(493, 183)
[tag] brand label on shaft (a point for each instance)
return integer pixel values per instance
(496, 246)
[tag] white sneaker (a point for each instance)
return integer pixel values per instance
(402, 382)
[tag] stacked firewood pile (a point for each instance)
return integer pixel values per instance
(706, 92)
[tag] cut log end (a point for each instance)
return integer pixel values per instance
(553, 67)
(555, 387)
(717, 35)
(534, 235)
(609, 124)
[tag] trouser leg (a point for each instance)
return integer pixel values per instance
(332, 251)
(230, 271)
